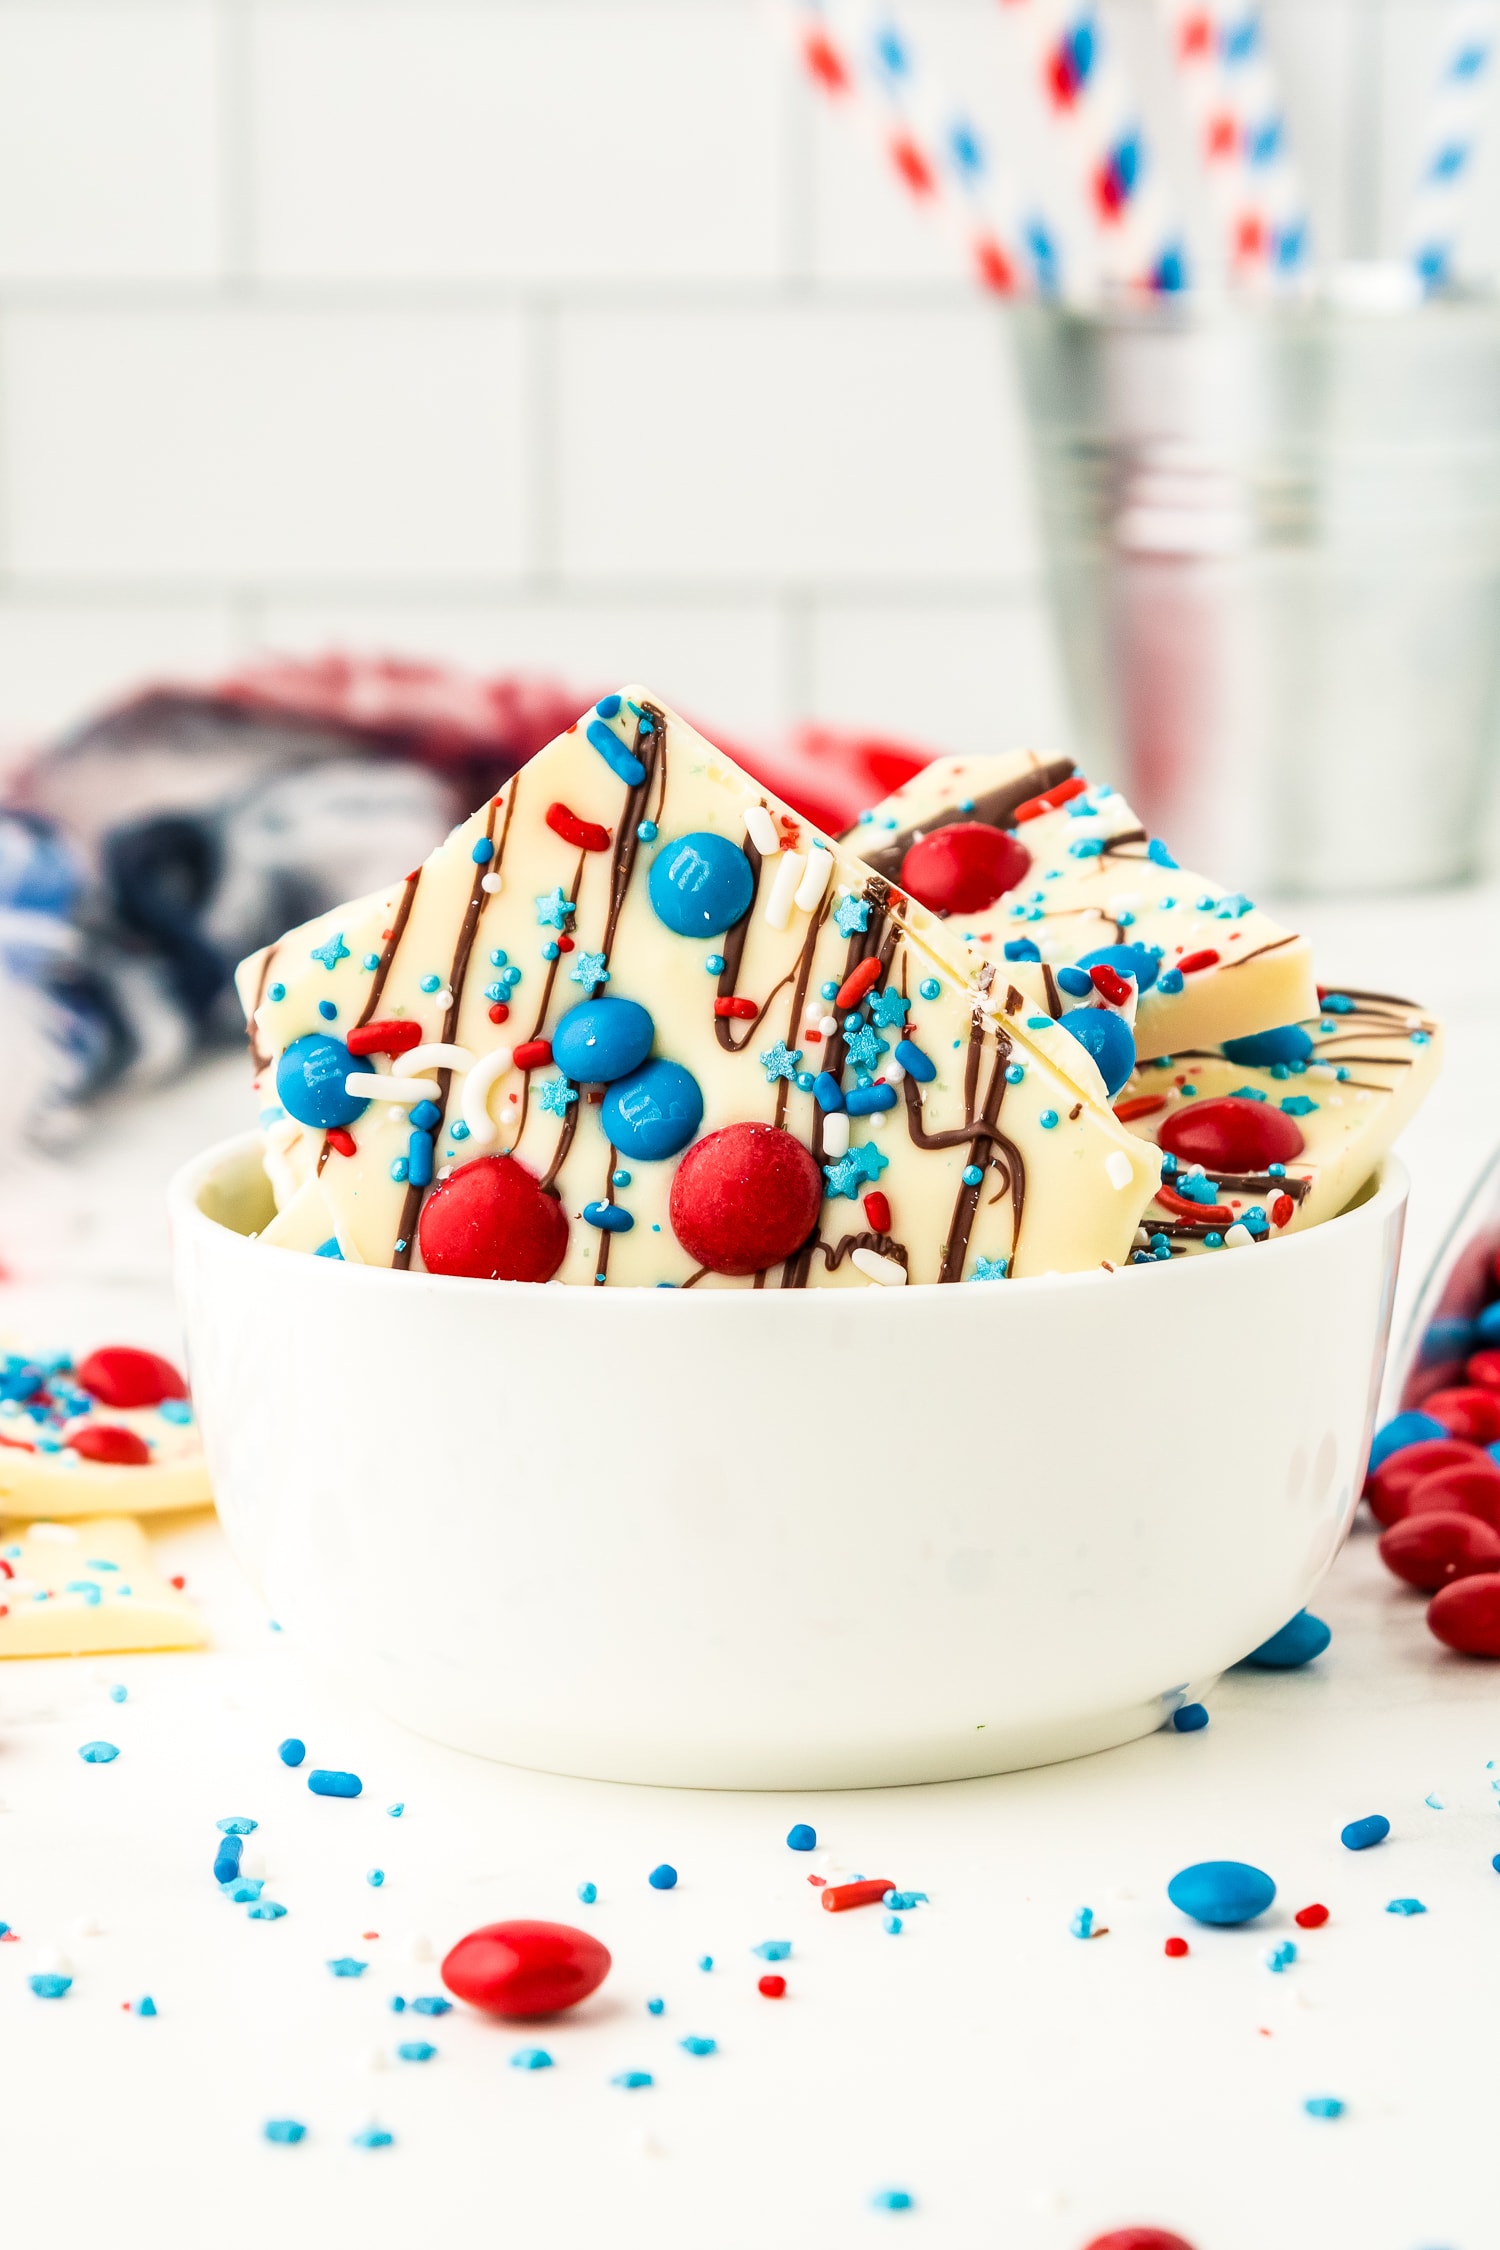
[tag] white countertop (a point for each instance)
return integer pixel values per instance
(1027, 2089)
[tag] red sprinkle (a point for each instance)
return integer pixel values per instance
(1175, 1948)
(179, 1582)
(1139, 1105)
(745, 1010)
(106, 1441)
(532, 1053)
(1110, 986)
(586, 834)
(818, 1882)
(500, 1012)
(5, 1569)
(1310, 1917)
(772, 1987)
(839, 1897)
(878, 1211)
(339, 1141)
(1207, 1214)
(1063, 794)
(1191, 963)
(1282, 1210)
(392, 1037)
(858, 982)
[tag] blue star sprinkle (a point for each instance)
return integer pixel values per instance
(781, 1061)
(988, 1269)
(843, 1178)
(869, 1160)
(590, 969)
(554, 1095)
(865, 1050)
(347, 1966)
(888, 1009)
(552, 909)
(333, 952)
(850, 915)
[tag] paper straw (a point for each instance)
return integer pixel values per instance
(866, 59)
(1087, 90)
(1195, 33)
(1456, 118)
(1274, 239)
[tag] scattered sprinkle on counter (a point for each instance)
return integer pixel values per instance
(1323, 2105)
(632, 2080)
(419, 2050)
(1082, 1924)
(292, 1751)
(375, 1876)
(1281, 1957)
(1301, 1639)
(655, 2006)
(1175, 1948)
(50, 1984)
(838, 1898)
(98, 1753)
(373, 2136)
(1405, 1906)
(801, 1838)
(1190, 1718)
(663, 1878)
(1310, 1917)
(587, 1893)
(395, 1811)
(891, 2199)
(531, 2058)
(1359, 1835)
(145, 2006)
(283, 2132)
(325, 1781)
(772, 1949)
(693, 2045)
(118, 1694)
(705, 1962)
(347, 1966)
(236, 1824)
(773, 1988)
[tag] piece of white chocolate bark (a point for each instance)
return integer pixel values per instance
(1278, 1132)
(87, 1589)
(1084, 876)
(633, 948)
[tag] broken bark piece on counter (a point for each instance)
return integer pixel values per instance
(1267, 1135)
(680, 1007)
(1082, 886)
(115, 1431)
(89, 1589)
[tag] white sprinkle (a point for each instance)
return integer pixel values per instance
(86, 1926)
(50, 1963)
(419, 1947)
(887, 1271)
(438, 1054)
(836, 1134)
(784, 890)
(479, 1084)
(1118, 1169)
(1238, 1237)
(762, 832)
(875, 1122)
(894, 1072)
(491, 883)
(828, 1025)
(361, 1086)
(815, 882)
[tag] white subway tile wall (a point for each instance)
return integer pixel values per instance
(573, 335)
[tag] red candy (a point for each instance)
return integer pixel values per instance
(586, 834)
(1191, 963)
(963, 868)
(858, 982)
(1138, 2238)
(744, 1198)
(532, 1054)
(491, 1221)
(1109, 986)
(839, 1897)
(119, 1375)
(1175, 1948)
(772, 1987)
(523, 1969)
(1466, 1615)
(1468, 1488)
(395, 1036)
(1397, 1478)
(1310, 1917)
(1473, 1414)
(1484, 1370)
(1231, 1134)
(1139, 1105)
(878, 1211)
(1282, 1210)
(745, 1010)
(107, 1442)
(1431, 1550)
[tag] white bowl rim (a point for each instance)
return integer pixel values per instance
(1391, 1184)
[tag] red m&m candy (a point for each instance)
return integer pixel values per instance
(1432, 1549)
(1466, 1615)
(118, 1375)
(106, 1441)
(1465, 1488)
(525, 1968)
(1483, 1370)
(1398, 1477)
(1138, 2238)
(492, 1221)
(964, 867)
(1469, 1413)
(744, 1198)
(1231, 1134)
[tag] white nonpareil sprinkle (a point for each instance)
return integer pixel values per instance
(491, 883)
(1238, 1237)
(828, 1025)
(887, 1271)
(836, 1135)
(1118, 1169)
(761, 830)
(784, 890)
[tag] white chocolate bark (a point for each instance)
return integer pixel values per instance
(1097, 879)
(1371, 1061)
(40, 1474)
(88, 1589)
(1056, 1184)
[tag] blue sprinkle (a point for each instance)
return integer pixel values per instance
(929, 988)
(1359, 1835)
(1298, 1642)
(416, 2050)
(426, 1116)
(608, 1217)
(431, 2004)
(395, 1811)
(1170, 980)
(236, 1824)
(398, 2005)
(277, 992)
(227, 1859)
(1405, 1906)
(655, 2007)
(864, 1101)
(1281, 1956)
(1323, 2105)
(695, 2046)
(619, 1179)
(1022, 949)
(371, 961)
(914, 1062)
(1047, 1120)
(265, 1910)
(615, 755)
(714, 963)
(49, 1986)
(145, 2006)
(608, 706)
(531, 2058)
(328, 1011)
(772, 1949)
(292, 1751)
(430, 983)
(647, 831)
(483, 852)
(326, 1782)
(663, 1878)
(1015, 1072)
(347, 1966)
(632, 2079)
(245, 1892)
(893, 1925)
(890, 2199)
(118, 1694)
(1221, 1891)
(827, 1092)
(99, 1753)
(419, 1159)
(801, 1838)
(973, 1175)
(706, 1962)
(587, 1893)
(398, 1168)
(375, 1877)
(1157, 853)
(1082, 1924)
(286, 2132)
(1038, 1023)
(373, 2136)
(1189, 1718)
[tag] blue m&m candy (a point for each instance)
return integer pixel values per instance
(1297, 1643)
(1222, 1891)
(602, 1040)
(1409, 1428)
(310, 1081)
(700, 884)
(654, 1113)
(1136, 961)
(1107, 1038)
(1288, 1043)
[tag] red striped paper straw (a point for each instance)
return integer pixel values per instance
(1274, 245)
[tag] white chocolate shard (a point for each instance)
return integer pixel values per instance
(89, 1588)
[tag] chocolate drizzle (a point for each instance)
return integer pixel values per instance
(259, 1061)
(995, 808)
(388, 950)
(835, 1253)
(734, 953)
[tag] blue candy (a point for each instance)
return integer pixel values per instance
(1022, 949)
(310, 1081)
(915, 1063)
(608, 1218)
(654, 1114)
(1288, 1043)
(1297, 1643)
(292, 1751)
(1076, 983)
(663, 1878)
(614, 753)
(1406, 1429)
(1107, 1038)
(1361, 1834)
(227, 1859)
(801, 1838)
(827, 1092)
(1136, 961)
(1189, 1718)
(1221, 1891)
(325, 1783)
(863, 1101)
(700, 884)
(1486, 1328)
(602, 1040)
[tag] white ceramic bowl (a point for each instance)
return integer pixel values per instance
(751, 1540)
